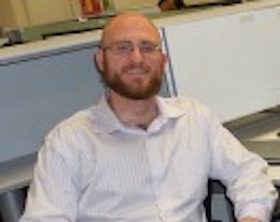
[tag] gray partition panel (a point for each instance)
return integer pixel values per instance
(38, 93)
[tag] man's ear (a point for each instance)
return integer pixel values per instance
(98, 58)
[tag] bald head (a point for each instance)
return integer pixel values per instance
(128, 22)
(130, 59)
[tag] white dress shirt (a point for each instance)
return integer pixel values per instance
(93, 168)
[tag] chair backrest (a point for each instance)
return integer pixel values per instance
(218, 207)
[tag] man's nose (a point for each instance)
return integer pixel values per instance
(136, 54)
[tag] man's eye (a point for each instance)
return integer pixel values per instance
(123, 48)
(147, 48)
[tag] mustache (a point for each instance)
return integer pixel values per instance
(136, 66)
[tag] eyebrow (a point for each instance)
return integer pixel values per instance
(140, 42)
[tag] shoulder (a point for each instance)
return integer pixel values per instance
(185, 106)
(78, 123)
(72, 139)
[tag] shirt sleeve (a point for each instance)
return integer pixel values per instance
(54, 190)
(243, 173)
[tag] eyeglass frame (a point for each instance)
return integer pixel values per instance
(116, 48)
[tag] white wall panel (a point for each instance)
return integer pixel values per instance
(230, 62)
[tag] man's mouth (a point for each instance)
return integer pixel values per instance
(136, 71)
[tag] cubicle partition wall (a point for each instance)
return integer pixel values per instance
(38, 92)
(231, 62)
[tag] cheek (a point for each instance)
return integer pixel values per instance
(113, 64)
(157, 64)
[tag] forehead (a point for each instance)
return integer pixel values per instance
(130, 28)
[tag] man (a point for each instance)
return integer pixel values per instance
(141, 158)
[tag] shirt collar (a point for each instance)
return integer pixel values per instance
(169, 107)
(105, 119)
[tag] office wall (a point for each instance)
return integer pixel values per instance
(43, 12)
(12, 14)
(230, 62)
(132, 4)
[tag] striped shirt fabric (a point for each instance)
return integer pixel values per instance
(91, 167)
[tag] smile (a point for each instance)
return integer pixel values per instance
(136, 71)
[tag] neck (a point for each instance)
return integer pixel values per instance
(133, 113)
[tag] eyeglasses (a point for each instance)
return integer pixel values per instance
(126, 47)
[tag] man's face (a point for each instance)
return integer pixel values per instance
(131, 61)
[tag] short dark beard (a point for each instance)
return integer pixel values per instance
(117, 85)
